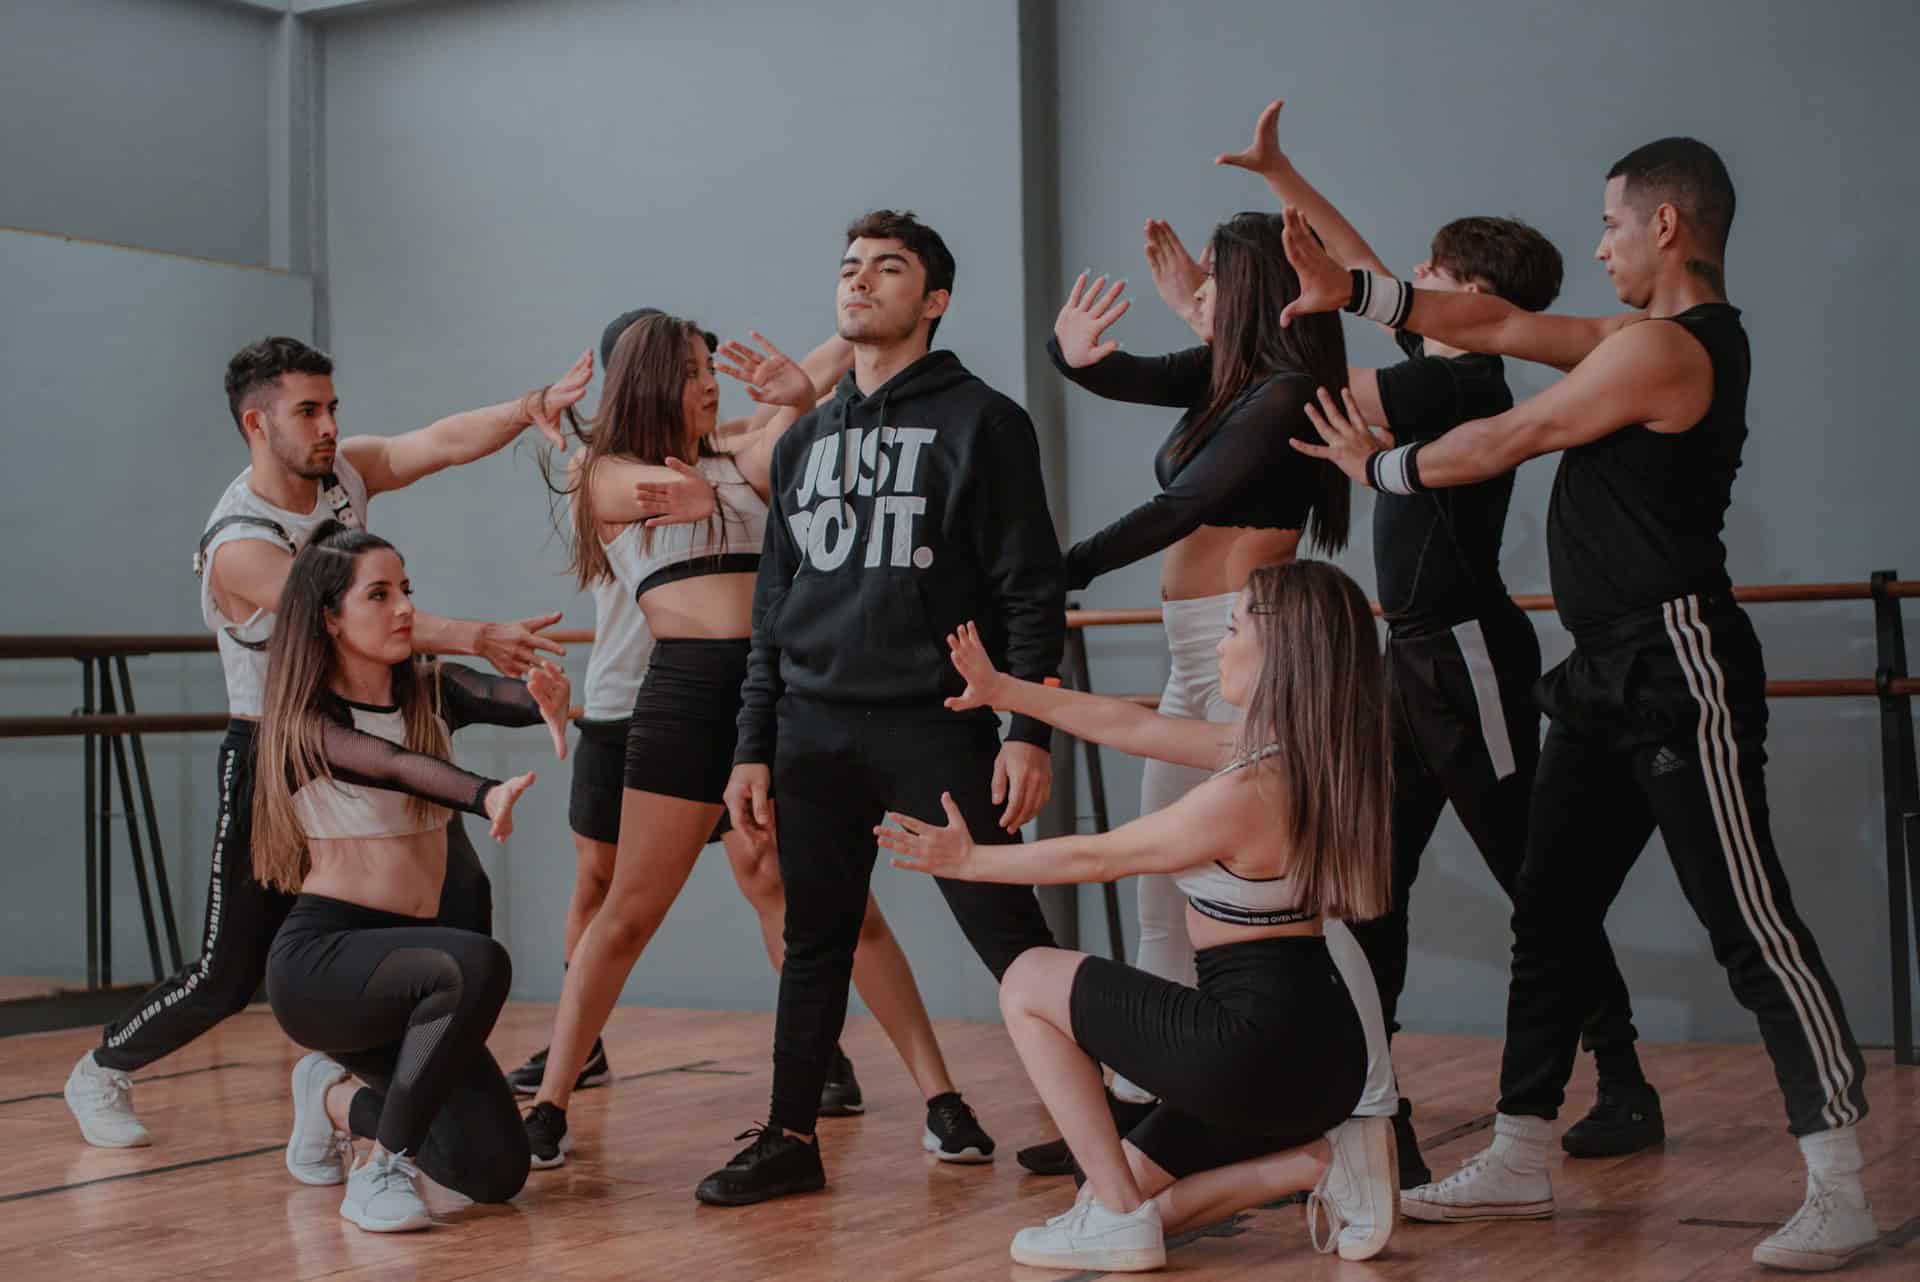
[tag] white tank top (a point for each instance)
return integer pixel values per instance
(243, 643)
(622, 644)
(1217, 892)
(728, 542)
(328, 808)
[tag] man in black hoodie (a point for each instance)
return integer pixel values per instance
(909, 504)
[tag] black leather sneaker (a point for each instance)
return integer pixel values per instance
(525, 1079)
(953, 1132)
(547, 1136)
(841, 1095)
(774, 1165)
(1624, 1119)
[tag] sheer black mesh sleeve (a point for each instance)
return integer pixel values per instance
(372, 762)
(1177, 379)
(469, 697)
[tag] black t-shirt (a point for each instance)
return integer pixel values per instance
(1636, 516)
(1436, 554)
(1243, 474)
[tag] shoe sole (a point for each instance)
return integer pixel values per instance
(1359, 1248)
(1138, 1260)
(313, 1174)
(558, 1159)
(367, 1224)
(1622, 1148)
(1474, 1212)
(1780, 1257)
(842, 1110)
(99, 1140)
(722, 1197)
(969, 1156)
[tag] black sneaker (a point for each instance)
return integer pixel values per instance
(953, 1132)
(1054, 1158)
(1413, 1167)
(774, 1165)
(525, 1079)
(1624, 1119)
(547, 1136)
(841, 1096)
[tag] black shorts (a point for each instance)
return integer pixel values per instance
(1266, 1054)
(599, 764)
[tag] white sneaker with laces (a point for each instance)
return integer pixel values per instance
(1089, 1237)
(101, 1100)
(316, 1153)
(1360, 1192)
(381, 1197)
(1832, 1226)
(1486, 1188)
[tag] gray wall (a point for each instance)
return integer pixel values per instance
(138, 121)
(1503, 107)
(479, 185)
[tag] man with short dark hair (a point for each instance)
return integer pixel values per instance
(1658, 718)
(909, 504)
(280, 393)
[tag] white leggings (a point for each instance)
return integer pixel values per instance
(1194, 629)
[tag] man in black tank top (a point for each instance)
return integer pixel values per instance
(1658, 718)
(1462, 656)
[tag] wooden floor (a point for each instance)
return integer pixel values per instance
(212, 1200)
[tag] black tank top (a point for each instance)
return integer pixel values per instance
(1636, 515)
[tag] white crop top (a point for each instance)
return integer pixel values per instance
(331, 808)
(242, 514)
(622, 645)
(728, 542)
(1217, 892)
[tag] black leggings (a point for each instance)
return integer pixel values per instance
(1266, 1054)
(406, 1006)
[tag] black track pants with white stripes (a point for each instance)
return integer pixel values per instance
(1659, 721)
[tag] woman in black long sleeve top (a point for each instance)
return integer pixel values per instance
(1234, 495)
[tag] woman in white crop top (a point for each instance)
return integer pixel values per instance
(1267, 1054)
(350, 811)
(684, 540)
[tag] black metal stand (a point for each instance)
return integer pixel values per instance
(1901, 786)
(101, 769)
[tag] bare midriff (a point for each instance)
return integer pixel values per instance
(1217, 559)
(710, 607)
(400, 874)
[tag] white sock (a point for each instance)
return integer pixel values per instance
(1522, 1142)
(1127, 1092)
(1833, 1160)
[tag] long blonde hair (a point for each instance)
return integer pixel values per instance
(300, 660)
(1318, 711)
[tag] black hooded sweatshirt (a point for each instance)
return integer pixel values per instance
(940, 518)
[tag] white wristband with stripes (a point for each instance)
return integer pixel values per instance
(1381, 298)
(1394, 471)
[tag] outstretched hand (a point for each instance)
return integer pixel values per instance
(944, 851)
(1176, 275)
(772, 377)
(1089, 310)
(548, 684)
(1350, 442)
(511, 647)
(546, 407)
(682, 501)
(971, 661)
(500, 799)
(1263, 154)
(1325, 286)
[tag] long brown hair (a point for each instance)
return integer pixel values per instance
(1318, 709)
(300, 660)
(641, 416)
(1253, 283)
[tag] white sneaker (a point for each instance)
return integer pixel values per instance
(381, 1197)
(1090, 1237)
(1486, 1188)
(1359, 1194)
(1830, 1228)
(101, 1100)
(316, 1153)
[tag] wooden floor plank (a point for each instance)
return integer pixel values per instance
(212, 1201)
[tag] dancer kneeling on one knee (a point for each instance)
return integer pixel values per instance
(1254, 1066)
(351, 810)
